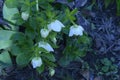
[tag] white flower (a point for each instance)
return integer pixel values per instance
(55, 26)
(45, 45)
(25, 15)
(76, 30)
(51, 71)
(36, 62)
(44, 33)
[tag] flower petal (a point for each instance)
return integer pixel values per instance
(45, 45)
(57, 21)
(71, 31)
(36, 62)
(81, 28)
(76, 30)
(55, 26)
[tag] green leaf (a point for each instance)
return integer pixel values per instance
(67, 11)
(106, 62)
(42, 50)
(25, 8)
(18, 19)
(84, 39)
(50, 0)
(64, 61)
(11, 3)
(107, 3)
(5, 60)
(49, 56)
(113, 67)
(72, 18)
(15, 50)
(5, 44)
(118, 7)
(29, 32)
(73, 12)
(6, 35)
(48, 62)
(80, 53)
(105, 69)
(18, 36)
(23, 59)
(40, 69)
(8, 14)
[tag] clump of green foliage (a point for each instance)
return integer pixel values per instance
(107, 67)
(32, 38)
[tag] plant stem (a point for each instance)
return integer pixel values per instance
(37, 6)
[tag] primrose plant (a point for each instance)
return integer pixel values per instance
(39, 29)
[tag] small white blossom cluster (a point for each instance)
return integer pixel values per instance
(55, 26)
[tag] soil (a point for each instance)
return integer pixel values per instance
(102, 25)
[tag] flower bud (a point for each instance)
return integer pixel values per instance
(44, 33)
(25, 15)
(51, 72)
(54, 40)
